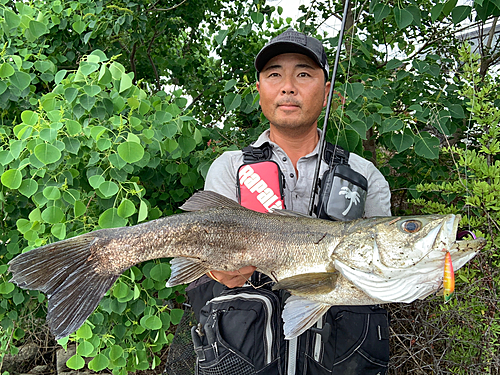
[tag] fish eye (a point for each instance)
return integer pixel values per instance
(411, 226)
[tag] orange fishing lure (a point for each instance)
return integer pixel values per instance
(449, 278)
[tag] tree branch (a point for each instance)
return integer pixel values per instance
(148, 53)
(360, 12)
(491, 34)
(132, 61)
(167, 9)
(487, 61)
(429, 42)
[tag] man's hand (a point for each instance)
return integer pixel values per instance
(233, 279)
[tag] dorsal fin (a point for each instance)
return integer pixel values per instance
(205, 199)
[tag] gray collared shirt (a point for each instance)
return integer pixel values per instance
(222, 178)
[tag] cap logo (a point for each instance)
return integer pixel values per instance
(293, 37)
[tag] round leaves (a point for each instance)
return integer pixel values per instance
(12, 178)
(47, 153)
(151, 322)
(111, 219)
(130, 151)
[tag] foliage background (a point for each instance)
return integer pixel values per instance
(97, 131)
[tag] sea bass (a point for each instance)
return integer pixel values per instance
(322, 263)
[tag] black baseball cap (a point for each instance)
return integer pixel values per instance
(292, 41)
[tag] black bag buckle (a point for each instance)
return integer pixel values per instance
(335, 154)
(324, 332)
(264, 152)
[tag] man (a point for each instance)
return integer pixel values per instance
(292, 83)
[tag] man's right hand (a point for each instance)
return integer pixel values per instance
(233, 279)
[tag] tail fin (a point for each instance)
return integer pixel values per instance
(67, 273)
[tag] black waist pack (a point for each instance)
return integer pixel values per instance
(239, 333)
(343, 191)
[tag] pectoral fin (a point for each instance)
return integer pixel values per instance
(309, 283)
(300, 314)
(185, 270)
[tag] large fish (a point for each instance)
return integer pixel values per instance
(322, 263)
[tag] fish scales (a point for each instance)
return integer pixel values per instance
(322, 263)
(228, 238)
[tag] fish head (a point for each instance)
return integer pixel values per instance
(408, 241)
(404, 258)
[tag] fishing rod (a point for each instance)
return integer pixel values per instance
(322, 140)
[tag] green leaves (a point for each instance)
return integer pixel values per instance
(391, 124)
(487, 8)
(403, 18)
(460, 13)
(354, 90)
(70, 94)
(187, 144)
(381, 11)
(427, 146)
(87, 101)
(84, 332)
(126, 81)
(257, 18)
(6, 70)
(151, 322)
(28, 187)
(130, 151)
(84, 349)
(111, 219)
(21, 80)
(108, 188)
(402, 142)
(37, 29)
(126, 208)
(79, 26)
(6, 287)
(47, 153)
(92, 90)
(232, 101)
(160, 272)
(53, 215)
(76, 362)
(99, 363)
(86, 68)
(12, 19)
(12, 178)
(29, 117)
(457, 111)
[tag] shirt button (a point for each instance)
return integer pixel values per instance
(292, 175)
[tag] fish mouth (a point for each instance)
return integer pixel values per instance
(443, 238)
(468, 245)
(461, 245)
(463, 250)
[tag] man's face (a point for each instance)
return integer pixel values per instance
(292, 91)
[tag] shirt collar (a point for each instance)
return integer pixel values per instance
(264, 137)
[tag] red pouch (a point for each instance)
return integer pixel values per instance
(260, 186)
